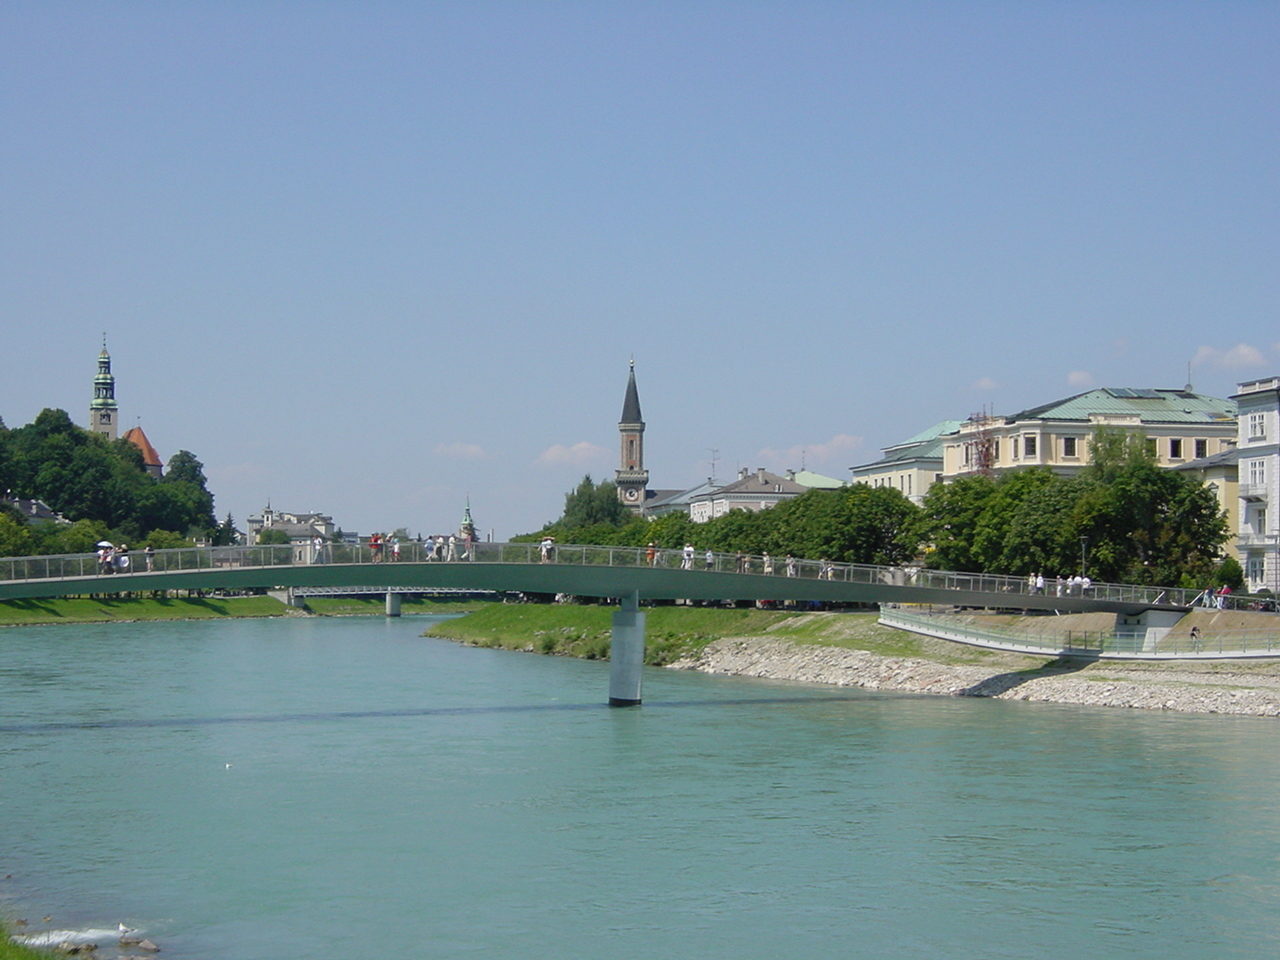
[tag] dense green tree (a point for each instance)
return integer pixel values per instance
(591, 504)
(86, 477)
(949, 520)
(1136, 522)
(272, 535)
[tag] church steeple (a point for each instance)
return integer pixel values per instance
(103, 410)
(632, 477)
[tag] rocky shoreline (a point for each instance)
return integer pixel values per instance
(1212, 687)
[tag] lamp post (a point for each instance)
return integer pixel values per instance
(1084, 542)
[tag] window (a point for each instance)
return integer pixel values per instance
(1255, 570)
(1069, 447)
(1013, 447)
(1257, 426)
(1260, 520)
(1175, 449)
(995, 450)
(1029, 445)
(1257, 472)
(1202, 449)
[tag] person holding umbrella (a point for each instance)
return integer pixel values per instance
(106, 555)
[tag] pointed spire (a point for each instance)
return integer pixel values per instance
(631, 404)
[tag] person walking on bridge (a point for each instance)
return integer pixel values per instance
(709, 561)
(686, 560)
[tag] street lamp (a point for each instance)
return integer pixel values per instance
(1084, 542)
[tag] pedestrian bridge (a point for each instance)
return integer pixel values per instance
(629, 574)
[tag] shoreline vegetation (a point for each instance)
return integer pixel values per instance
(126, 609)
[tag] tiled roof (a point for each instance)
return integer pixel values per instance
(139, 440)
(1151, 406)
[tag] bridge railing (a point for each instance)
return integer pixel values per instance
(1052, 641)
(63, 567)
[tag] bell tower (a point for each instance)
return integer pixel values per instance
(103, 411)
(631, 477)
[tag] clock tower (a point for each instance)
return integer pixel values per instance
(103, 410)
(632, 477)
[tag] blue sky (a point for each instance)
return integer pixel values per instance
(372, 258)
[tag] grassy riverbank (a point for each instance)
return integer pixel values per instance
(17, 951)
(109, 609)
(376, 606)
(674, 632)
(125, 609)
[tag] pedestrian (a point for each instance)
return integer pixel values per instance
(317, 549)
(104, 558)
(686, 560)
(437, 548)
(791, 565)
(467, 553)
(150, 555)
(544, 549)
(395, 548)
(768, 564)
(709, 561)
(122, 558)
(452, 553)
(651, 554)
(1223, 593)
(375, 547)
(1040, 584)
(741, 562)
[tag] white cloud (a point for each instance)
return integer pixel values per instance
(460, 451)
(1239, 357)
(1080, 378)
(838, 450)
(985, 384)
(577, 455)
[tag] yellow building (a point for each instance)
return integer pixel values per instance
(1180, 426)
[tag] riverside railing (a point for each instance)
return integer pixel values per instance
(63, 567)
(1149, 643)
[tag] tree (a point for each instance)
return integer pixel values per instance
(949, 519)
(592, 504)
(272, 535)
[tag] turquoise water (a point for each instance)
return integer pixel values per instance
(343, 788)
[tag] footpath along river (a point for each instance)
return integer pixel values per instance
(324, 788)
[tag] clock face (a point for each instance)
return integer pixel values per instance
(632, 494)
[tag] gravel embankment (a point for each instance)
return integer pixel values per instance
(1201, 688)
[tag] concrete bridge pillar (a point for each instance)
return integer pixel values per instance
(626, 653)
(393, 604)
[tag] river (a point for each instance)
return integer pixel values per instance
(315, 789)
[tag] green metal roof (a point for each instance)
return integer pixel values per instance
(1151, 406)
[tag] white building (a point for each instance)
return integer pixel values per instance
(1258, 542)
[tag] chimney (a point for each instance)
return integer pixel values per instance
(742, 474)
(791, 474)
(760, 474)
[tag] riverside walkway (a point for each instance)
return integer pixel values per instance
(629, 574)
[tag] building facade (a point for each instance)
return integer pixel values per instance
(1258, 539)
(910, 467)
(1179, 426)
(751, 491)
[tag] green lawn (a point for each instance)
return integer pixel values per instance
(107, 609)
(674, 632)
(376, 606)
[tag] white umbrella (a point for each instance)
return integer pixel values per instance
(105, 543)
